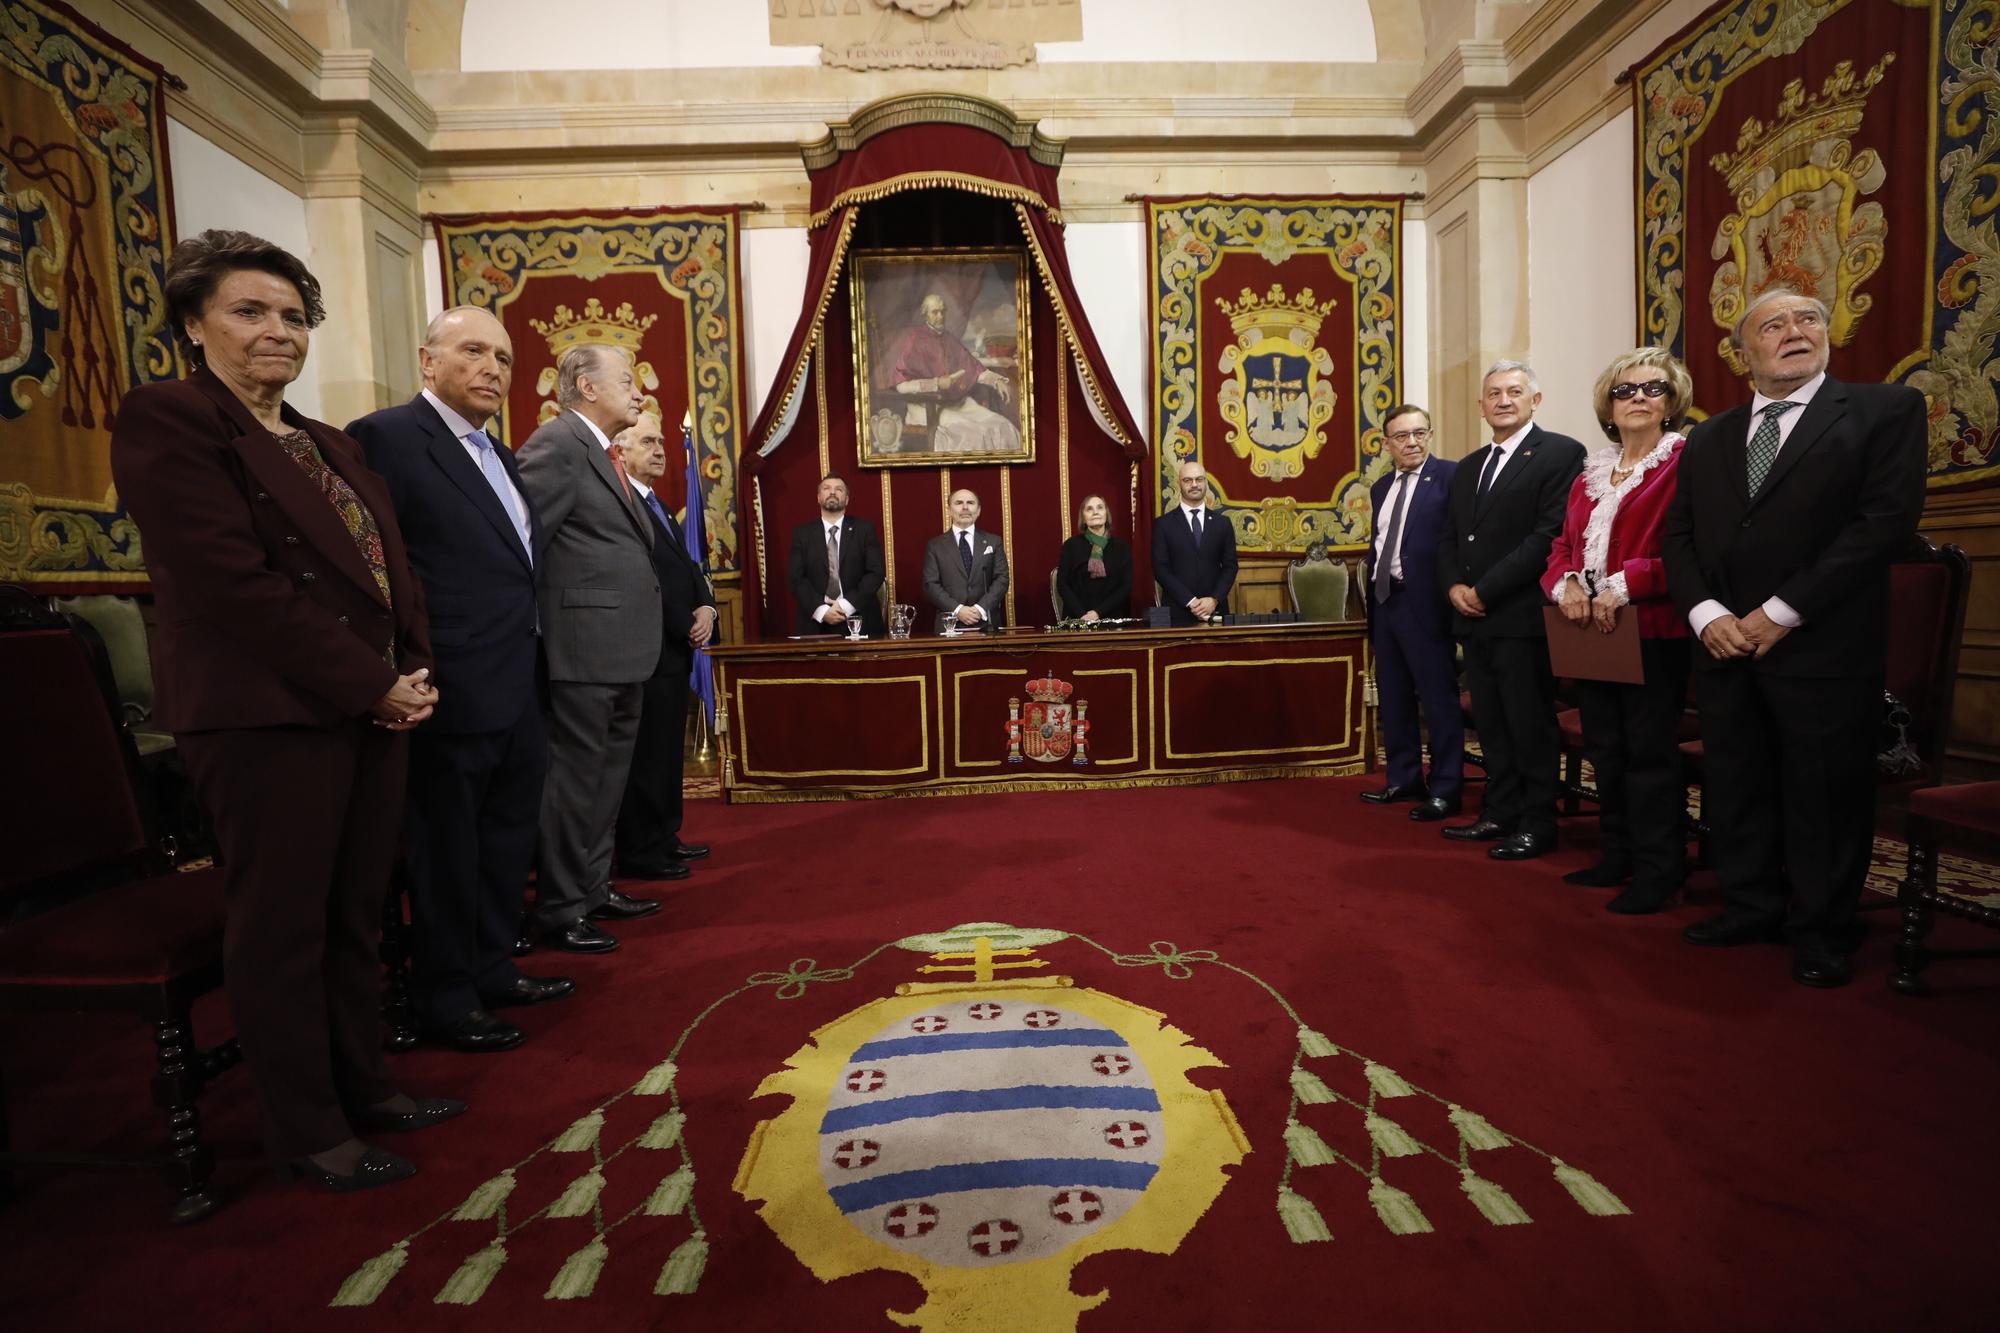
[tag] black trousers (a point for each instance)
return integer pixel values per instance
(1514, 711)
(1630, 733)
(474, 797)
(649, 820)
(1789, 794)
(306, 820)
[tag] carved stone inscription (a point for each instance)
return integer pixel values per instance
(925, 34)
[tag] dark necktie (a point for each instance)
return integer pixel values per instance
(1764, 444)
(832, 565)
(1194, 524)
(1494, 457)
(965, 554)
(1394, 535)
(660, 511)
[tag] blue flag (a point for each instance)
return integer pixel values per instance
(701, 678)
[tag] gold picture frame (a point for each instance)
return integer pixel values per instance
(942, 358)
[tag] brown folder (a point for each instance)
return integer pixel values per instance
(1584, 652)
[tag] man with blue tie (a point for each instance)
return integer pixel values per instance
(1410, 623)
(648, 832)
(1194, 552)
(476, 771)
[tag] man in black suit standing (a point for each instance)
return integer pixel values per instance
(648, 832)
(1194, 554)
(1506, 507)
(476, 771)
(1410, 622)
(829, 592)
(1777, 547)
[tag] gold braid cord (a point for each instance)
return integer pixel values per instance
(795, 374)
(1083, 372)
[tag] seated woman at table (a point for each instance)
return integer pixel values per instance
(1094, 575)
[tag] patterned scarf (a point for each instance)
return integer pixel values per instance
(1098, 545)
(360, 522)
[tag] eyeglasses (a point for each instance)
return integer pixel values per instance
(1651, 388)
(1417, 436)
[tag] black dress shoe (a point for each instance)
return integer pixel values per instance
(427, 1111)
(1522, 847)
(687, 851)
(530, 990)
(1482, 830)
(376, 1167)
(665, 870)
(1408, 791)
(580, 937)
(1603, 875)
(1729, 930)
(621, 907)
(1643, 899)
(477, 1033)
(1433, 809)
(1821, 966)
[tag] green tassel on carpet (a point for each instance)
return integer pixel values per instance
(1498, 1205)
(578, 1277)
(1310, 1087)
(372, 1278)
(1308, 1148)
(1398, 1211)
(683, 1271)
(473, 1277)
(671, 1195)
(1302, 1221)
(581, 1136)
(485, 1201)
(657, 1080)
(1387, 1082)
(1315, 1043)
(581, 1196)
(1592, 1197)
(664, 1132)
(1477, 1132)
(1391, 1138)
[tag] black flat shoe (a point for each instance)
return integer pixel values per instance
(1603, 875)
(1522, 847)
(529, 990)
(1483, 830)
(621, 907)
(1408, 791)
(580, 937)
(477, 1033)
(1643, 899)
(377, 1167)
(427, 1111)
(687, 851)
(664, 871)
(1729, 930)
(1432, 810)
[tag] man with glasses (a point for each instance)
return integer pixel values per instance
(1506, 508)
(1410, 622)
(1777, 546)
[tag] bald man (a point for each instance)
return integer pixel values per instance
(965, 570)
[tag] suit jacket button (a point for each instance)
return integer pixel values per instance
(262, 496)
(291, 541)
(1746, 522)
(1472, 536)
(308, 577)
(343, 620)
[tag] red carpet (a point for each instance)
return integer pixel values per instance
(1789, 1158)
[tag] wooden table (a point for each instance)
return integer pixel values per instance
(827, 719)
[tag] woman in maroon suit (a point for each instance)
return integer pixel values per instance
(293, 652)
(1607, 564)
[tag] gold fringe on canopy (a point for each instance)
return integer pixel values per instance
(933, 180)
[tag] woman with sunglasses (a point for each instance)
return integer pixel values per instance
(1605, 565)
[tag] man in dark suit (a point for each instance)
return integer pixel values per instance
(823, 604)
(965, 570)
(1506, 507)
(1410, 623)
(1194, 554)
(648, 835)
(476, 771)
(1777, 548)
(600, 607)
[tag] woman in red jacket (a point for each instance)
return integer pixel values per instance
(1607, 564)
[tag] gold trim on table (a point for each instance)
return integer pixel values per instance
(1347, 704)
(742, 728)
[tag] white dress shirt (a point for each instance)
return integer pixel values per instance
(1505, 449)
(1780, 612)
(462, 429)
(830, 532)
(603, 442)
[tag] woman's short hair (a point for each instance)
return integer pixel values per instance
(200, 263)
(1680, 386)
(1080, 525)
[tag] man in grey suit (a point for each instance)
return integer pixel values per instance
(601, 622)
(965, 570)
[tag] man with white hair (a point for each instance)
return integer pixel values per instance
(1777, 547)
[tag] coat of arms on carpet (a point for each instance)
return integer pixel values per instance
(983, 1122)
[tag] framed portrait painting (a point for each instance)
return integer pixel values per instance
(941, 364)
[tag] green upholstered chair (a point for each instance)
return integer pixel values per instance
(1317, 586)
(120, 624)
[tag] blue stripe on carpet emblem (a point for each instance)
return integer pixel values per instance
(1055, 1172)
(987, 1041)
(1035, 1097)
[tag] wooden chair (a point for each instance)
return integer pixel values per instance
(1965, 818)
(89, 924)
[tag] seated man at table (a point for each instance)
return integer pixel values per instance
(835, 568)
(965, 570)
